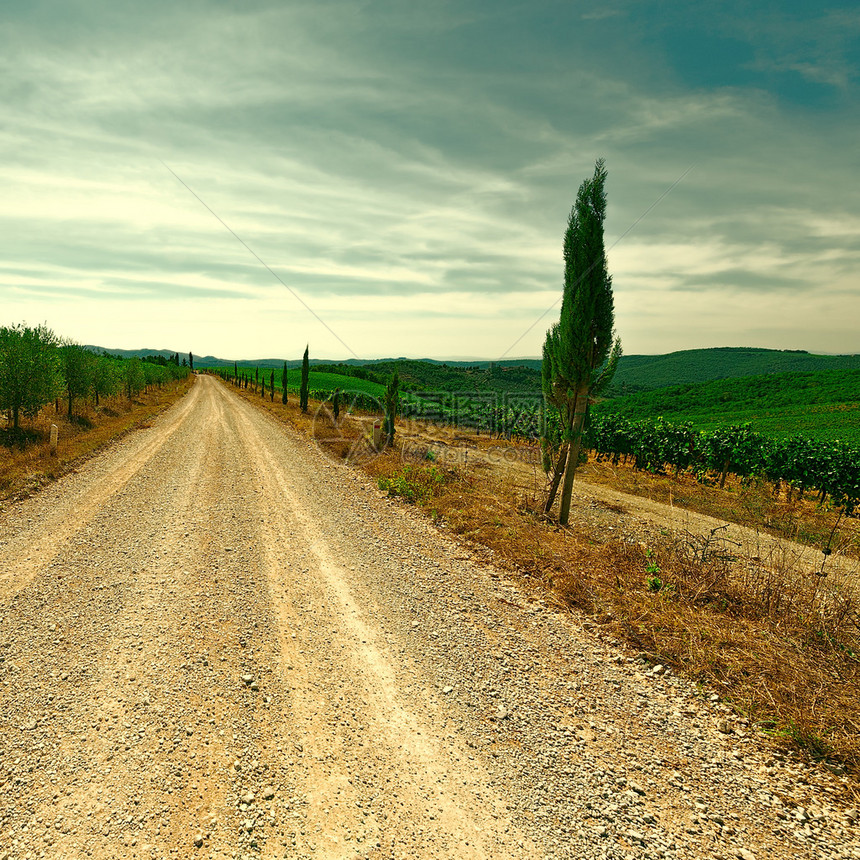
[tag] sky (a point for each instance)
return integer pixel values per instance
(377, 178)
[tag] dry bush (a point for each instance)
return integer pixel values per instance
(774, 642)
(777, 645)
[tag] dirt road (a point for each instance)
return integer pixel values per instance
(215, 642)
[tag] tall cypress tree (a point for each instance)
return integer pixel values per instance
(284, 384)
(272, 386)
(392, 405)
(303, 390)
(581, 352)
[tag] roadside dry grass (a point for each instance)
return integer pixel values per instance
(752, 504)
(774, 642)
(26, 463)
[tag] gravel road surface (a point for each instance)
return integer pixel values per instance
(217, 643)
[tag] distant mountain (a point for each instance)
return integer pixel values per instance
(135, 353)
(635, 372)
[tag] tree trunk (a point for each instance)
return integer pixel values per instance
(567, 487)
(724, 472)
(556, 478)
(581, 409)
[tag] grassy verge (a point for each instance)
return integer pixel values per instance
(25, 461)
(770, 639)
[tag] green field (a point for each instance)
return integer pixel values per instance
(820, 404)
(823, 405)
(320, 381)
(826, 422)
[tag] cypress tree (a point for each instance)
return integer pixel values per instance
(303, 390)
(272, 386)
(284, 384)
(392, 405)
(581, 352)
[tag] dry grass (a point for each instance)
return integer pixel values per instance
(773, 641)
(26, 463)
(751, 504)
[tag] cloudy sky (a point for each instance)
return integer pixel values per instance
(407, 170)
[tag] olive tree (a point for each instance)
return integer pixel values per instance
(29, 369)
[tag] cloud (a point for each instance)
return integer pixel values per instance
(400, 166)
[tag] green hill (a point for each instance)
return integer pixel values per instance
(822, 405)
(321, 381)
(649, 372)
(421, 375)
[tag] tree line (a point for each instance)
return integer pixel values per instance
(37, 367)
(356, 401)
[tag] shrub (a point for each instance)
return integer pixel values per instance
(416, 484)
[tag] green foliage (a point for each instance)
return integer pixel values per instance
(284, 383)
(304, 389)
(106, 377)
(651, 566)
(134, 377)
(580, 343)
(29, 369)
(416, 484)
(579, 356)
(419, 376)
(832, 468)
(78, 367)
